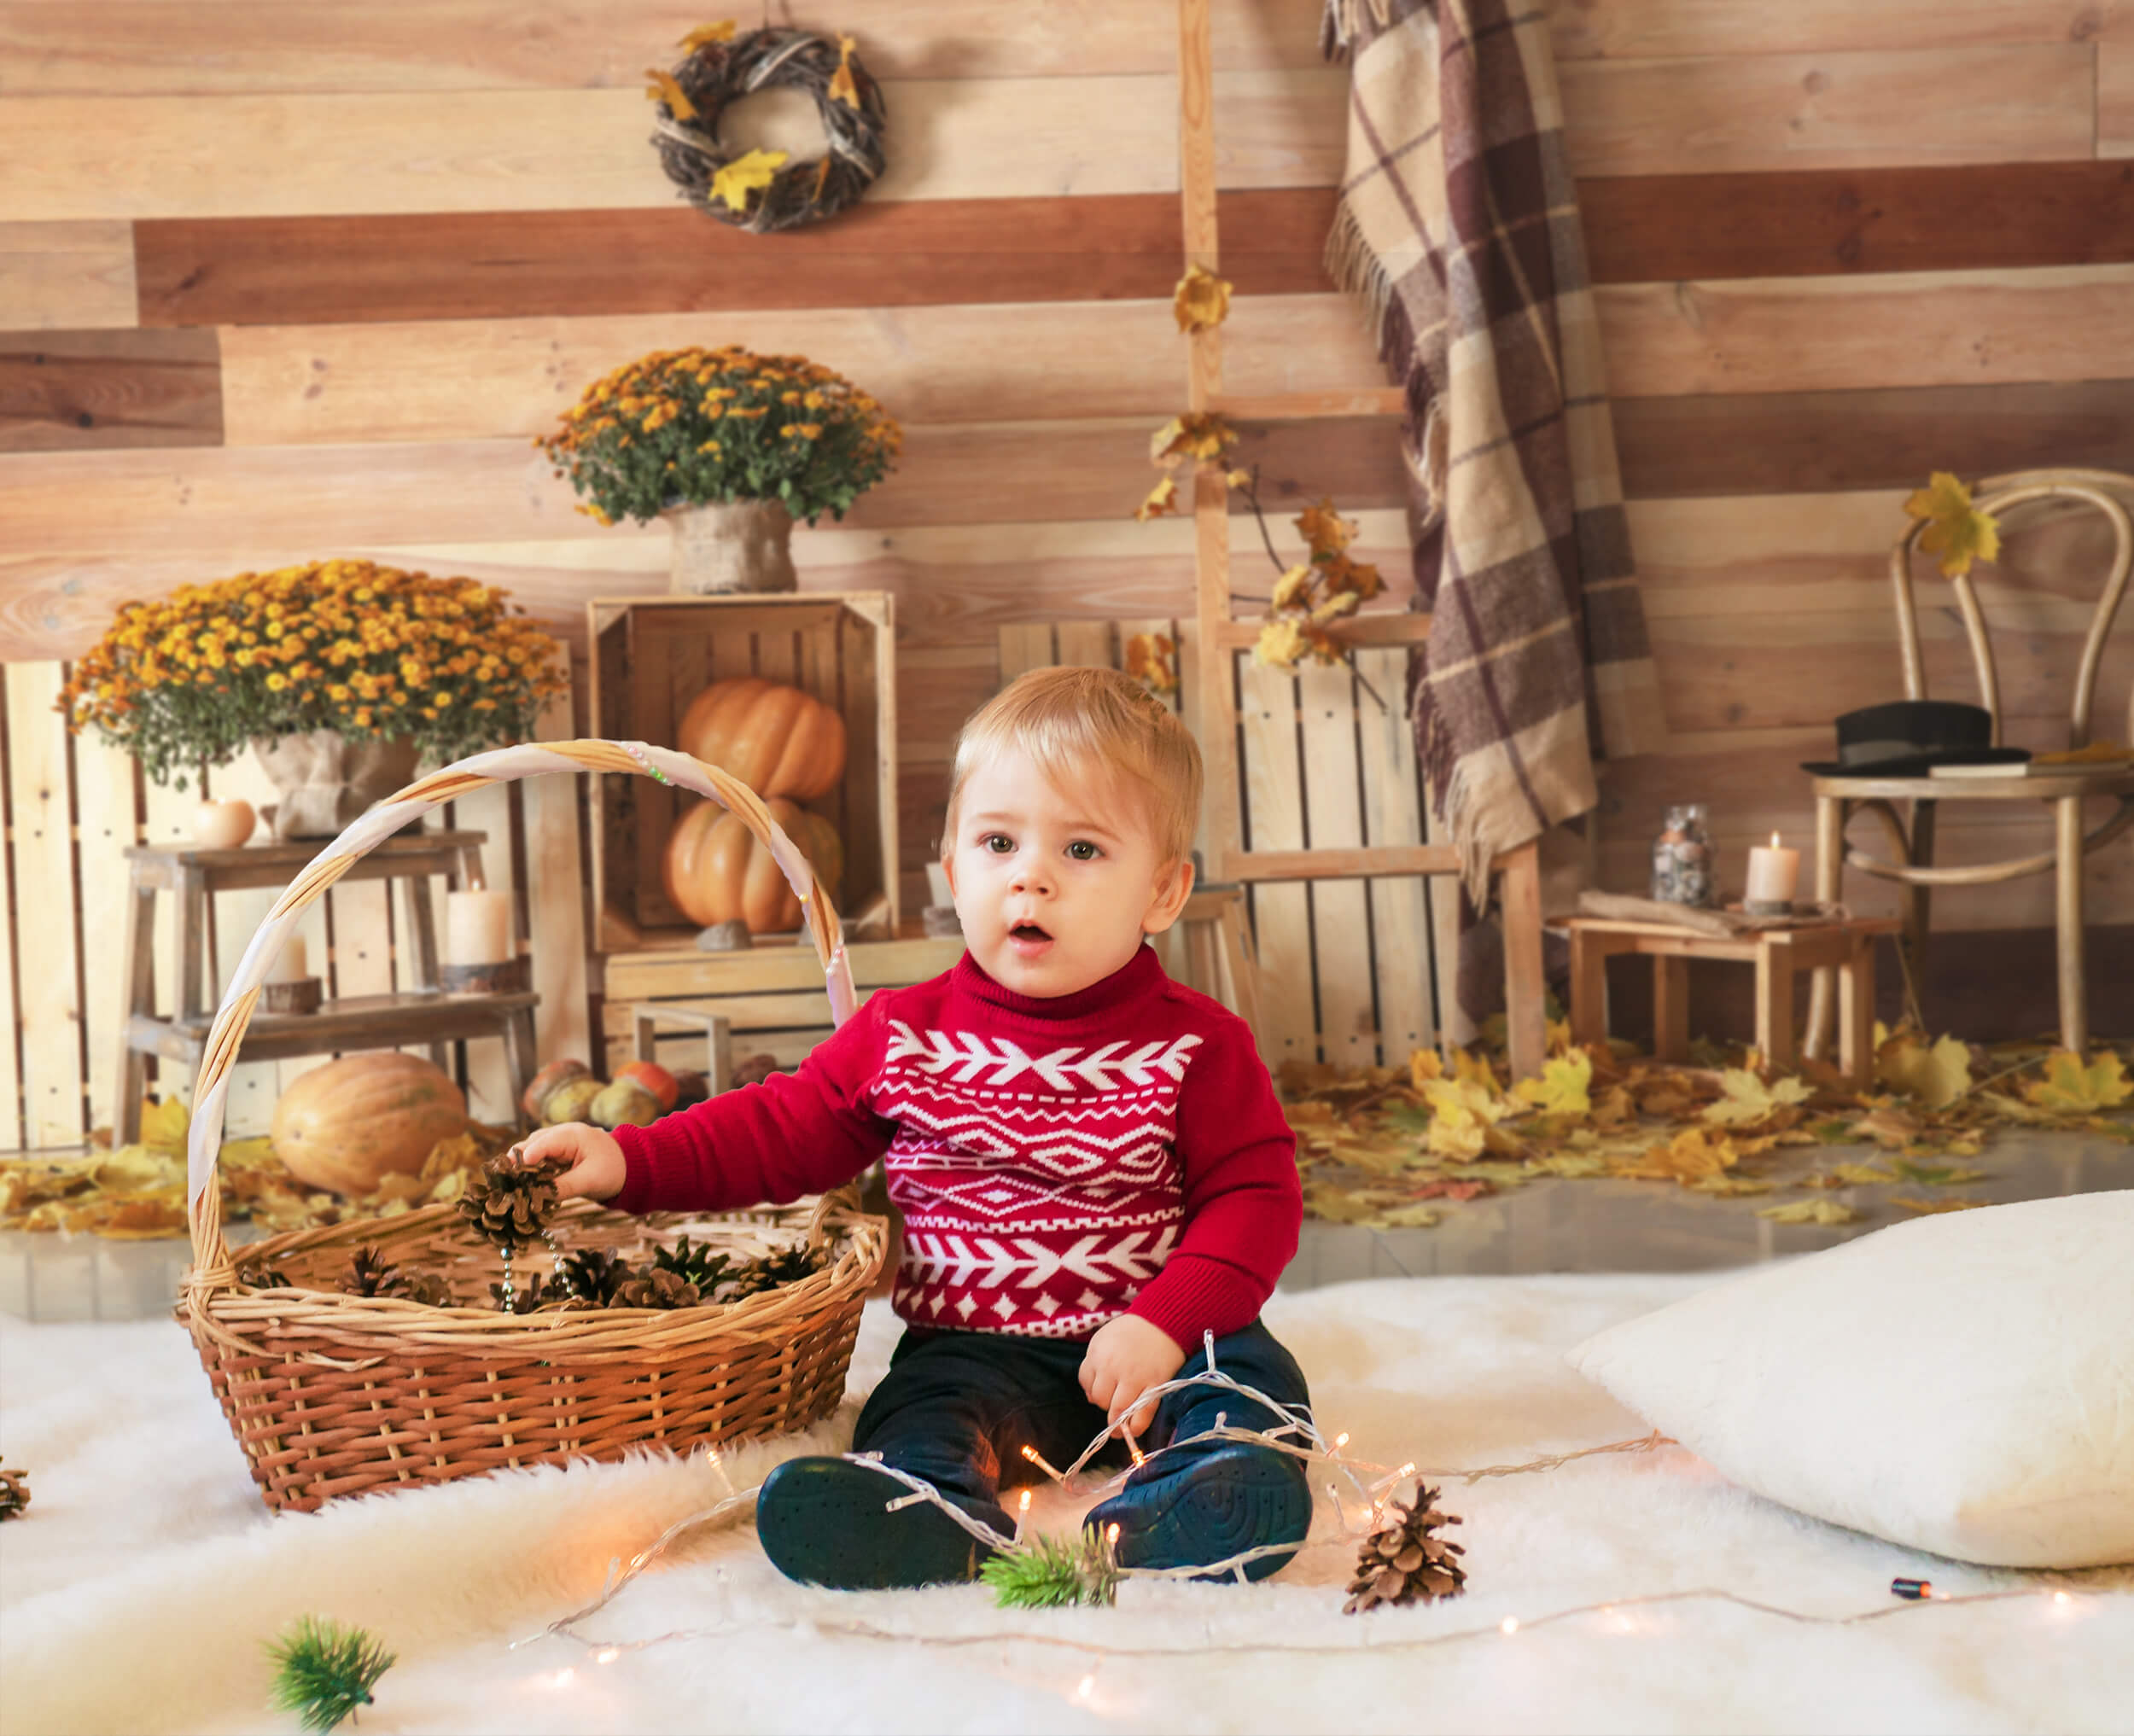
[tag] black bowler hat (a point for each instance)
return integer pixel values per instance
(1910, 737)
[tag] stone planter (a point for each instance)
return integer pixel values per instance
(741, 545)
(325, 780)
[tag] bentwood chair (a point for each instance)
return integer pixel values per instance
(1840, 800)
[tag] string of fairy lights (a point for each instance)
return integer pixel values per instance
(1295, 1433)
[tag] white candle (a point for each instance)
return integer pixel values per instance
(477, 927)
(1773, 874)
(288, 966)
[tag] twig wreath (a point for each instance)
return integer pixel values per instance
(761, 190)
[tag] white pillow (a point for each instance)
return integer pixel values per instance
(1962, 1383)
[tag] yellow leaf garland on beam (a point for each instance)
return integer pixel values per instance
(1162, 499)
(1201, 301)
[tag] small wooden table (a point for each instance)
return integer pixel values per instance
(1778, 954)
(425, 1015)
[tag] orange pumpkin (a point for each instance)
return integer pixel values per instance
(718, 873)
(775, 738)
(346, 1126)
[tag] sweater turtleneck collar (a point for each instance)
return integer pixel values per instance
(1136, 977)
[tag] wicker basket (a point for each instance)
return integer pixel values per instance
(334, 1395)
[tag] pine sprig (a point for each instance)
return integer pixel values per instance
(1044, 1573)
(322, 1671)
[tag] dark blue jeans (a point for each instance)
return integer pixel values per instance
(958, 1408)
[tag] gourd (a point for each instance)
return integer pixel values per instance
(772, 736)
(346, 1126)
(718, 871)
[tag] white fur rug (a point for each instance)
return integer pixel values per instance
(134, 1595)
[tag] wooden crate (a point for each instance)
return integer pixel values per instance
(650, 656)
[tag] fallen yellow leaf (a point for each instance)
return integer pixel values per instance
(1810, 1211)
(1746, 1100)
(1690, 1154)
(165, 1125)
(1936, 1076)
(1928, 1206)
(1562, 1088)
(1424, 1065)
(744, 175)
(2069, 1087)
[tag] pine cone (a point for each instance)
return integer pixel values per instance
(656, 1289)
(787, 1266)
(595, 1274)
(15, 1492)
(693, 1262)
(510, 1205)
(753, 1071)
(1405, 1563)
(369, 1273)
(262, 1274)
(530, 1293)
(431, 1289)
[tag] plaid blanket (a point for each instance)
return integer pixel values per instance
(1459, 224)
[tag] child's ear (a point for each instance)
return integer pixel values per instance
(1173, 886)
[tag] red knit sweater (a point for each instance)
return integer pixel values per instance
(1057, 1162)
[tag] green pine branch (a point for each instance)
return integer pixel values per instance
(1044, 1573)
(324, 1671)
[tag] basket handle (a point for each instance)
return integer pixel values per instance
(211, 1086)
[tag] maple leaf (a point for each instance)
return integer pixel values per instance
(2071, 1088)
(1358, 578)
(164, 1124)
(1562, 1088)
(1445, 1187)
(1202, 300)
(1887, 1127)
(1464, 1113)
(1747, 1100)
(840, 88)
(1728, 1186)
(1930, 1206)
(1342, 602)
(1336, 1205)
(1936, 1076)
(663, 88)
(1162, 499)
(1850, 1175)
(1810, 1211)
(743, 175)
(707, 34)
(1424, 1065)
(1152, 659)
(1280, 643)
(1324, 530)
(1614, 1108)
(1936, 1175)
(1572, 1163)
(1292, 590)
(1690, 1154)
(1956, 531)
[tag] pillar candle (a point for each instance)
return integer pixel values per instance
(289, 965)
(1773, 874)
(477, 927)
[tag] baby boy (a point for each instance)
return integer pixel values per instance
(1092, 1165)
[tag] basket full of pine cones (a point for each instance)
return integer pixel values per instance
(508, 1328)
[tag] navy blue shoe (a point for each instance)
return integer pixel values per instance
(825, 1522)
(1223, 1502)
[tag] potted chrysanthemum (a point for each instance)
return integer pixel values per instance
(729, 447)
(341, 675)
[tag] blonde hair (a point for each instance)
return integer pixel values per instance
(1069, 720)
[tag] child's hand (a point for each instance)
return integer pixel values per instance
(1127, 1356)
(597, 1169)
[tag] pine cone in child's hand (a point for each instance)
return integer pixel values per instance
(658, 1288)
(1404, 1562)
(509, 1204)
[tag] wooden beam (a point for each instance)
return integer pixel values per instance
(80, 391)
(1364, 863)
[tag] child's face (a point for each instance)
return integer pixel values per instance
(1056, 885)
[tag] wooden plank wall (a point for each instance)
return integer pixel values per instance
(346, 258)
